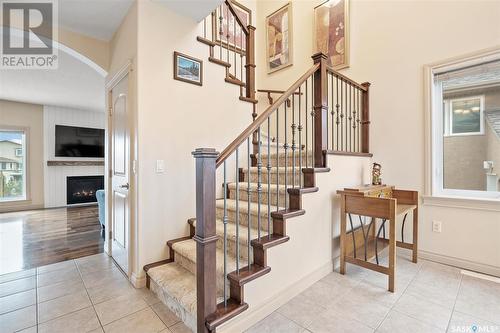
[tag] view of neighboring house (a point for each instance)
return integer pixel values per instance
(11, 168)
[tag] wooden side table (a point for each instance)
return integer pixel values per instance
(376, 202)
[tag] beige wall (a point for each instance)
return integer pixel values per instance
(29, 116)
(174, 118)
(391, 41)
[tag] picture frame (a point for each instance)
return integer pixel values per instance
(188, 69)
(234, 42)
(279, 39)
(331, 32)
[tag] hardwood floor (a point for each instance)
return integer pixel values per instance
(40, 237)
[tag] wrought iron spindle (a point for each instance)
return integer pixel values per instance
(294, 126)
(285, 146)
(237, 213)
(227, 35)
(234, 44)
(269, 175)
(332, 111)
(224, 221)
(342, 107)
(249, 193)
(350, 117)
(241, 58)
(277, 157)
(221, 31)
(337, 107)
(358, 121)
(307, 139)
(205, 28)
(312, 121)
(354, 127)
(259, 182)
(300, 136)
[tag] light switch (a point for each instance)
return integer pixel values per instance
(160, 166)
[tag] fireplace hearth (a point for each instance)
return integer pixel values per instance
(82, 189)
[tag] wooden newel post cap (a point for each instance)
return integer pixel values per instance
(317, 57)
(366, 84)
(205, 153)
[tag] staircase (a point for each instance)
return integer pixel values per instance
(247, 194)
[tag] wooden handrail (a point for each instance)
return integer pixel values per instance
(345, 78)
(237, 17)
(228, 151)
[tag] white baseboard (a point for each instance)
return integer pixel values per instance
(257, 312)
(138, 281)
(460, 263)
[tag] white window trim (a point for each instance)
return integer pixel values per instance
(448, 126)
(25, 170)
(434, 134)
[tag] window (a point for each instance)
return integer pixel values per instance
(12, 162)
(465, 129)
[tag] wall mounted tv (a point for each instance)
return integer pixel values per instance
(79, 141)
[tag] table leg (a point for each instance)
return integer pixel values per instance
(392, 248)
(415, 234)
(342, 234)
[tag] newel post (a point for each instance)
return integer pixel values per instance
(205, 236)
(365, 119)
(250, 62)
(320, 109)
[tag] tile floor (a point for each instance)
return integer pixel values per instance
(91, 295)
(88, 294)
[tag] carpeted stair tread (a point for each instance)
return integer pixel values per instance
(243, 207)
(253, 187)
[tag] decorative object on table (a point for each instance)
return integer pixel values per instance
(231, 37)
(188, 69)
(331, 32)
(279, 52)
(376, 173)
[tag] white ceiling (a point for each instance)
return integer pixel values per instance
(196, 9)
(95, 18)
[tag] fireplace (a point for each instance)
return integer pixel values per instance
(82, 189)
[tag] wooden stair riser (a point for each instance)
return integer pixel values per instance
(254, 197)
(243, 216)
(274, 177)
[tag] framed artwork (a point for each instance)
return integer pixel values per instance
(331, 31)
(279, 39)
(188, 69)
(231, 37)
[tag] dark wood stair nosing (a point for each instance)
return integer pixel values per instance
(225, 313)
(219, 62)
(235, 81)
(176, 240)
(316, 170)
(302, 190)
(205, 41)
(156, 264)
(266, 242)
(247, 274)
(248, 99)
(287, 213)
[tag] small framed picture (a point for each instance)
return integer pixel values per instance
(279, 52)
(188, 69)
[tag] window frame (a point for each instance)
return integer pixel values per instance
(25, 169)
(435, 131)
(448, 125)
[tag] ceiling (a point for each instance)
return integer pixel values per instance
(95, 18)
(196, 9)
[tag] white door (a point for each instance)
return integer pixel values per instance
(120, 181)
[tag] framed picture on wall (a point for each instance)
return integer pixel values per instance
(279, 53)
(188, 69)
(331, 32)
(232, 36)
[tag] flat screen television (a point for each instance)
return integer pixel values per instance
(79, 142)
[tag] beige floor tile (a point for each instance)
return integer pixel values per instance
(396, 322)
(62, 306)
(17, 286)
(479, 298)
(338, 280)
(443, 292)
(84, 320)
(109, 290)
(32, 329)
(424, 311)
(101, 277)
(376, 293)
(323, 293)
(59, 289)
(56, 267)
(98, 330)
(166, 315)
(144, 321)
(63, 274)
(94, 263)
(461, 322)
(119, 307)
(17, 275)
(148, 296)
(17, 301)
(301, 310)
(179, 328)
(274, 323)
(328, 322)
(18, 320)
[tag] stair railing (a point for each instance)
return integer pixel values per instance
(301, 140)
(232, 44)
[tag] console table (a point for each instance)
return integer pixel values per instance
(374, 202)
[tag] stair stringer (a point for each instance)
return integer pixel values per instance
(313, 245)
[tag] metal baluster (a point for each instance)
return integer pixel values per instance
(249, 193)
(300, 137)
(358, 121)
(337, 107)
(277, 157)
(237, 214)
(307, 139)
(234, 44)
(227, 34)
(332, 111)
(269, 175)
(341, 114)
(259, 181)
(241, 57)
(312, 120)
(350, 117)
(354, 128)
(221, 32)
(205, 28)
(285, 146)
(224, 221)
(294, 126)
(327, 103)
